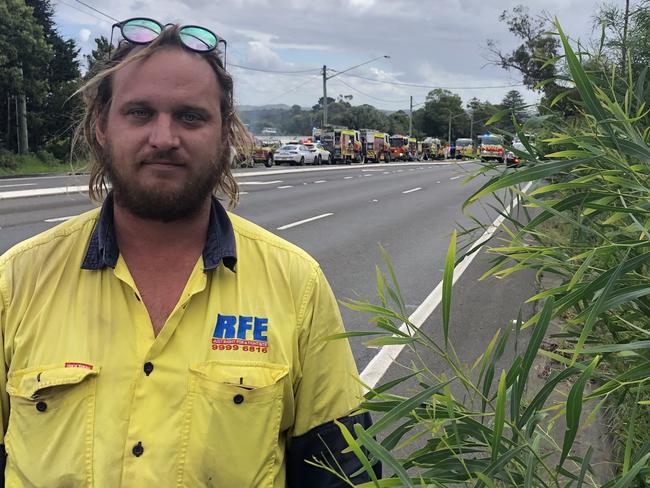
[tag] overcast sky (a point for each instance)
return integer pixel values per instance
(433, 43)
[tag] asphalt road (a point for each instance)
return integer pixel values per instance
(409, 209)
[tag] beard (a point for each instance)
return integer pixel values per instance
(161, 204)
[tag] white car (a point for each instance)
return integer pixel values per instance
(295, 154)
(322, 155)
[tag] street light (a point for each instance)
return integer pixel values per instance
(325, 78)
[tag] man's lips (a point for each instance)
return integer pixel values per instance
(161, 162)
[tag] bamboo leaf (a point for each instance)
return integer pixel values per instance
(574, 409)
(447, 284)
(499, 416)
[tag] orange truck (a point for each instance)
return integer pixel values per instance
(375, 146)
(399, 147)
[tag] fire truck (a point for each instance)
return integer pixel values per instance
(432, 148)
(464, 148)
(491, 147)
(375, 145)
(399, 147)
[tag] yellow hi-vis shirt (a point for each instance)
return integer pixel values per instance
(90, 397)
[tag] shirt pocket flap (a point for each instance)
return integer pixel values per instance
(252, 379)
(27, 383)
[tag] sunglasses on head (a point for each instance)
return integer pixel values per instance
(141, 30)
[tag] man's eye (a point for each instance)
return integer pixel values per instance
(190, 117)
(139, 113)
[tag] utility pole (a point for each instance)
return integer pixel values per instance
(22, 117)
(449, 136)
(471, 127)
(411, 117)
(324, 95)
(325, 78)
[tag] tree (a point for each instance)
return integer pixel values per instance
(24, 58)
(514, 101)
(100, 53)
(52, 117)
(440, 106)
(480, 112)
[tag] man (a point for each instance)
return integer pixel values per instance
(159, 340)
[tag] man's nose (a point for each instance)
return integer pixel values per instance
(164, 135)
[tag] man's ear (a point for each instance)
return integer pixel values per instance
(100, 127)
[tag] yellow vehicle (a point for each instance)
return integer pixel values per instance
(465, 148)
(375, 145)
(432, 148)
(413, 149)
(347, 146)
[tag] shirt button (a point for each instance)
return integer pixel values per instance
(138, 449)
(148, 368)
(41, 406)
(238, 399)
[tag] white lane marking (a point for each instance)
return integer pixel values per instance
(370, 170)
(368, 175)
(412, 190)
(379, 364)
(321, 181)
(17, 184)
(400, 170)
(5, 195)
(386, 172)
(285, 186)
(375, 200)
(455, 177)
(275, 182)
(59, 219)
(300, 222)
(348, 177)
(437, 182)
(411, 169)
(243, 193)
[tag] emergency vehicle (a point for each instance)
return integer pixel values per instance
(492, 147)
(347, 146)
(399, 147)
(375, 145)
(432, 148)
(464, 148)
(414, 152)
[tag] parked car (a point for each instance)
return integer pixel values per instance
(263, 152)
(294, 154)
(323, 156)
(511, 158)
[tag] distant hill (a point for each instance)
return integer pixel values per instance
(275, 106)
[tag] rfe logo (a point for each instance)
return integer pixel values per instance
(246, 332)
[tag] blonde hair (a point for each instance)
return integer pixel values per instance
(97, 95)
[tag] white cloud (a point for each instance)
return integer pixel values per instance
(84, 35)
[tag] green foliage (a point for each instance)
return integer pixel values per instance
(587, 223)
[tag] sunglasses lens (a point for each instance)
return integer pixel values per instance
(198, 39)
(141, 31)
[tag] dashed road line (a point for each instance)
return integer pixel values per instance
(275, 182)
(285, 186)
(17, 184)
(320, 181)
(59, 219)
(348, 177)
(300, 222)
(387, 355)
(455, 177)
(412, 190)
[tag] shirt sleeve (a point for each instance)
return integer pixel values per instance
(4, 398)
(328, 390)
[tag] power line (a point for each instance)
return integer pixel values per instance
(417, 85)
(292, 89)
(79, 10)
(370, 96)
(96, 10)
(312, 70)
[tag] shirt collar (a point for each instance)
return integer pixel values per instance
(219, 246)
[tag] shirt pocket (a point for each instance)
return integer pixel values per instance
(232, 424)
(49, 439)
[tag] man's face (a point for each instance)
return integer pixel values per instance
(162, 136)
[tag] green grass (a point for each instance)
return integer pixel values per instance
(26, 164)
